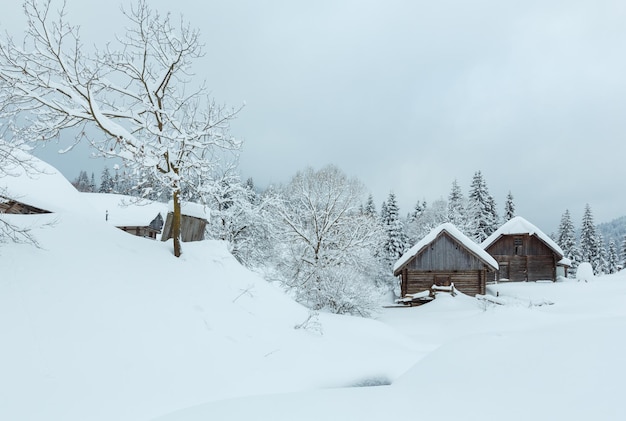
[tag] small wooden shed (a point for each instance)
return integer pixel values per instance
(445, 256)
(525, 253)
(193, 222)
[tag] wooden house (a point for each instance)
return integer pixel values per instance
(8, 205)
(140, 217)
(525, 253)
(148, 231)
(442, 258)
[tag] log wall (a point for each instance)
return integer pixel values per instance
(469, 282)
(532, 261)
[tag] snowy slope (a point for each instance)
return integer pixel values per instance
(103, 325)
(514, 362)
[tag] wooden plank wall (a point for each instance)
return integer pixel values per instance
(192, 229)
(535, 262)
(469, 282)
(445, 253)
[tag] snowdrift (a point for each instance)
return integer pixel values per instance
(98, 324)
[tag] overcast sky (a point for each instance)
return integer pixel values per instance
(410, 95)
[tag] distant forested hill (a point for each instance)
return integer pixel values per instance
(614, 230)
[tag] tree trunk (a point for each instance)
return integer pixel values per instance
(176, 221)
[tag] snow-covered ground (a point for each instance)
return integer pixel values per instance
(96, 324)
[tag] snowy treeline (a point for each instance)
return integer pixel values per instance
(590, 246)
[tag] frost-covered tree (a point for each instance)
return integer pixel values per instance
(106, 181)
(14, 162)
(612, 259)
(396, 242)
(624, 252)
(567, 234)
(417, 211)
(433, 215)
(133, 99)
(456, 207)
(589, 247)
(481, 210)
(240, 217)
(370, 208)
(603, 256)
(324, 245)
(81, 183)
(509, 208)
(566, 239)
(92, 183)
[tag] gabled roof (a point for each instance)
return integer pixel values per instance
(519, 226)
(453, 232)
(124, 211)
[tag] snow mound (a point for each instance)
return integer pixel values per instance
(38, 184)
(584, 272)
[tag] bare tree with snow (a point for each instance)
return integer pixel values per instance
(14, 162)
(326, 246)
(132, 99)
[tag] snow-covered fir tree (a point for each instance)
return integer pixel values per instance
(417, 211)
(613, 258)
(370, 208)
(481, 210)
(567, 234)
(456, 207)
(509, 208)
(433, 215)
(396, 242)
(624, 252)
(566, 239)
(603, 256)
(589, 247)
(92, 183)
(106, 181)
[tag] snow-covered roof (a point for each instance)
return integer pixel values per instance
(195, 210)
(454, 233)
(37, 183)
(125, 211)
(518, 225)
(564, 262)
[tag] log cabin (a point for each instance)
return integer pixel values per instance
(444, 257)
(525, 253)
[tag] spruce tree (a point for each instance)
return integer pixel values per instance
(509, 208)
(567, 235)
(418, 210)
(456, 207)
(370, 208)
(624, 252)
(481, 211)
(613, 259)
(396, 240)
(589, 247)
(106, 181)
(92, 183)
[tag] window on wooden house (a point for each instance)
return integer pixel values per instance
(518, 244)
